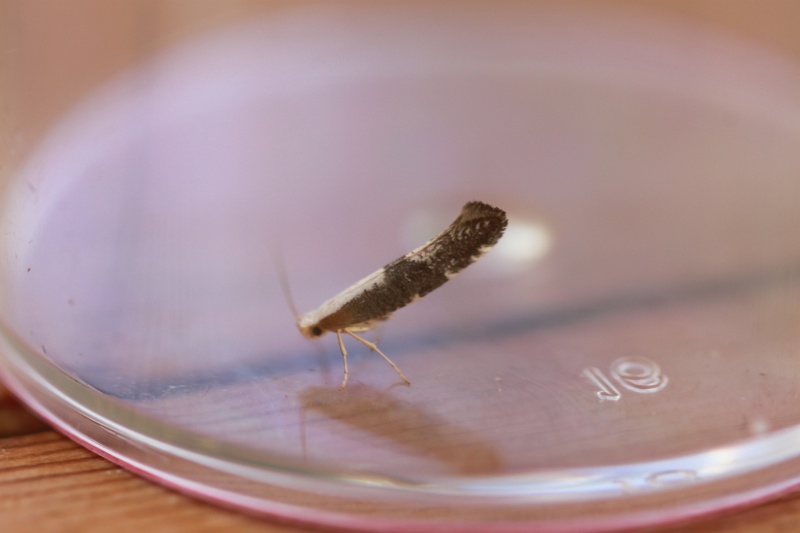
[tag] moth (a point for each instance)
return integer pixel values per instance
(361, 306)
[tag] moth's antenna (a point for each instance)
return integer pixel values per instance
(280, 268)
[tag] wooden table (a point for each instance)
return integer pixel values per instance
(49, 483)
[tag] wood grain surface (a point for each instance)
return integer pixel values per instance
(47, 482)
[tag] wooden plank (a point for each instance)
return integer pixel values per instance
(48, 483)
(15, 419)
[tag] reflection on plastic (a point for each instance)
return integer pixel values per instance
(408, 425)
(526, 242)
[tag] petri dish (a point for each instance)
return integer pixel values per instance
(627, 355)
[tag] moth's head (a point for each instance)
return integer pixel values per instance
(311, 331)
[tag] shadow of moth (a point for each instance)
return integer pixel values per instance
(373, 299)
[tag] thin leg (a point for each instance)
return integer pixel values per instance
(344, 357)
(372, 346)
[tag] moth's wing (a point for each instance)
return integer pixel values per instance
(368, 325)
(473, 233)
(336, 303)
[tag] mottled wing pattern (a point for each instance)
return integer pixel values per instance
(473, 233)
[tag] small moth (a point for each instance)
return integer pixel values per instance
(373, 299)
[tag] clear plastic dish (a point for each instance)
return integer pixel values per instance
(627, 355)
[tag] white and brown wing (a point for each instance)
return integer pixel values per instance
(374, 298)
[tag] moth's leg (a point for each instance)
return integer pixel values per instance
(372, 346)
(344, 357)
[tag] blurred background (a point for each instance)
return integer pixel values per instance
(54, 53)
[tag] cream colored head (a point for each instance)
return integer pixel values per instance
(309, 328)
